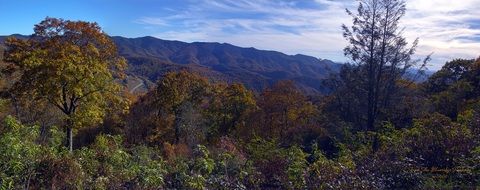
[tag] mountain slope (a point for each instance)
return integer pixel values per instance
(150, 58)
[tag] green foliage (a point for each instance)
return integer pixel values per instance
(324, 173)
(148, 166)
(20, 154)
(105, 165)
(436, 141)
(203, 163)
(454, 87)
(297, 165)
(107, 162)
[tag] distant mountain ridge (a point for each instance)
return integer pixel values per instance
(150, 58)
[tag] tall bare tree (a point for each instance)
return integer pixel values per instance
(379, 52)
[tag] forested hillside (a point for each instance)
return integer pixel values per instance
(218, 116)
(151, 58)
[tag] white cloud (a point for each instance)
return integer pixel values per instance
(443, 26)
(152, 21)
(440, 25)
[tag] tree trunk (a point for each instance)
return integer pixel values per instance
(370, 119)
(177, 127)
(371, 73)
(69, 140)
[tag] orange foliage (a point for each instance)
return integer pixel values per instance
(173, 151)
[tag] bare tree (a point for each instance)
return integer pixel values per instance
(378, 49)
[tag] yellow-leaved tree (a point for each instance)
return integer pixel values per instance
(72, 65)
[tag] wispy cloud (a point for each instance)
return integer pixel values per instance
(444, 27)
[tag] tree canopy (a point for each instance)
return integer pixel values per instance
(69, 64)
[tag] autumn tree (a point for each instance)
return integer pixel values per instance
(379, 54)
(284, 107)
(72, 66)
(177, 93)
(229, 108)
(172, 111)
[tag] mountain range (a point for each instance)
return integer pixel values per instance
(150, 58)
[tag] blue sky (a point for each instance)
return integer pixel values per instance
(450, 29)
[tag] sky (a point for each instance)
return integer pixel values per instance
(447, 28)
